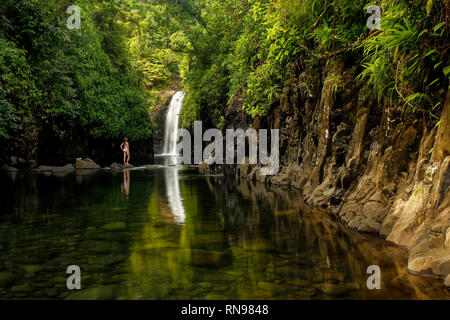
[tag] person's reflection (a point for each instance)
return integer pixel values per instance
(126, 183)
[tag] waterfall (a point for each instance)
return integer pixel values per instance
(171, 129)
(170, 157)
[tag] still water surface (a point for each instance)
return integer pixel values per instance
(169, 233)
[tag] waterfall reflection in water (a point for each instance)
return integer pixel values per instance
(173, 194)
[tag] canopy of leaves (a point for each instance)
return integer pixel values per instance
(60, 79)
(246, 49)
(107, 75)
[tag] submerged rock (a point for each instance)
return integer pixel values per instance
(6, 278)
(113, 226)
(99, 247)
(107, 292)
(42, 284)
(206, 285)
(32, 268)
(235, 273)
(221, 288)
(25, 288)
(206, 258)
(51, 292)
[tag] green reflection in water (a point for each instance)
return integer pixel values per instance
(168, 233)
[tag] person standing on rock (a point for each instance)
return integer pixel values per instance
(126, 151)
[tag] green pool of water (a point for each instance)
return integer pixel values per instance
(169, 233)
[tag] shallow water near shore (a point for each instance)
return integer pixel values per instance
(170, 233)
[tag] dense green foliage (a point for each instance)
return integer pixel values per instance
(60, 80)
(105, 77)
(246, 50)
(408, 59)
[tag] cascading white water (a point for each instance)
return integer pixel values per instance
(170, 156)
(171, 129)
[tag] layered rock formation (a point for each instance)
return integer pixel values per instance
(380, 169)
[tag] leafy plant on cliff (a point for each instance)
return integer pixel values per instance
(405, 58)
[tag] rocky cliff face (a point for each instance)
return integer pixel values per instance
(379, 169)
